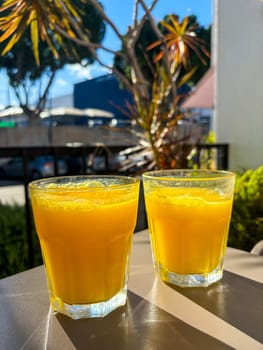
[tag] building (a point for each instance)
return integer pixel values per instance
(12, 117)
(200, 103)
(233, 89)
(237, 56)
(103, 93)
(60, 101)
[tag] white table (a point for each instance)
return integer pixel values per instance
(226, 315)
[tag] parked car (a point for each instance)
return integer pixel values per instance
(38, 167)
(121, 122)
(94, 163)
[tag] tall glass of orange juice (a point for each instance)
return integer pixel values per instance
(85, 226)
(188, 214)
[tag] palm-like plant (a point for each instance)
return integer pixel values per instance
(161, 144)
(180, 39)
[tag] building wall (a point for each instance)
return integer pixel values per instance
(62, 135)
(238, 57)
(102, 93)
(60, 101)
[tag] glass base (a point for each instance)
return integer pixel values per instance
(78, 311)
(191, 280)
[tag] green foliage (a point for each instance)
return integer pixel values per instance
(24, 23)
(246, 227)
(146, 57)
(13, 241)
(208, 156)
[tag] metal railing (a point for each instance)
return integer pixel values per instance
(84, 153)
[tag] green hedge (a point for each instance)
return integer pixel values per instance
(246, 227)
(13, 241)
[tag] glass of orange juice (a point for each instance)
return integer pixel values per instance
(85, 226)
(188, 215)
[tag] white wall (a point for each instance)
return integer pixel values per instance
(60, 101)
(238, 58)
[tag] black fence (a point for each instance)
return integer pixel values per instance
(86, 164)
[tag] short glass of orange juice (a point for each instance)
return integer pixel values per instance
(85, 226)
(188, 214)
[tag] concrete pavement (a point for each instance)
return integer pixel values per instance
(12, 194)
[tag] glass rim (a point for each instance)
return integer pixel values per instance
(188, 175)
(65, 180)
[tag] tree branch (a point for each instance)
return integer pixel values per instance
(43, 98)
(86, 43)
(165, 50)
(137, 76)
(129, 46)
(101, 11)
(120, 75)
(23, 96)
(135, 13)
(92, 47)
(138, 27)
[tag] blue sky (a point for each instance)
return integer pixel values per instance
(120, 11)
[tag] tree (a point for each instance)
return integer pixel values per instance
(25, 69)
(156, 102)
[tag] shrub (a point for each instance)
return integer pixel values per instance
(246, 227)
(13, 241)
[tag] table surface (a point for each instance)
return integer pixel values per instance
(226, 315)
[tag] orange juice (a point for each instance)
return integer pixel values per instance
(85, 236)
(189, 228)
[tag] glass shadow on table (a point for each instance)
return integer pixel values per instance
(235, 299)
(138, 325)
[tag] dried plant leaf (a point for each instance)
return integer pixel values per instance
(34, 36)
(41, 16)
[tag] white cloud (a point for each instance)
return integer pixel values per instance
(79, 71)
(61, 82)
(88, 72)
